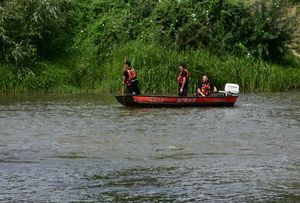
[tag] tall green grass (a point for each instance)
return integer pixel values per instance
(157, 69)
(48, 78)
(8, 78)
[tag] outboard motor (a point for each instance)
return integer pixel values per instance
(232, 89)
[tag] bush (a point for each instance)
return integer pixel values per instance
(85, 75)
(263, 29)
(36, 29)
(30, 29)
(227, 39)
(272, 28)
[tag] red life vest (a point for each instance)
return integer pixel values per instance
(180, 78)
(131, 76)
(206, 89)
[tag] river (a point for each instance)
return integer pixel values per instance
(62, 148)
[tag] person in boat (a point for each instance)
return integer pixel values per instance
(183, 80)
(205, 87)
(130, 80)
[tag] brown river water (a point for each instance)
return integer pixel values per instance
(64, 148)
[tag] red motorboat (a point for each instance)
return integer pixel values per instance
(218, 100)
(221, 99)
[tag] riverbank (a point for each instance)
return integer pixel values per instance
(79, 46)
(157, 70)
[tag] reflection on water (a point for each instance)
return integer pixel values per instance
(61, 148)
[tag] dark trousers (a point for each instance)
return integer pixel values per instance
(184, 93)
(133, 89)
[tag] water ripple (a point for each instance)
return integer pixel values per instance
(58, 148)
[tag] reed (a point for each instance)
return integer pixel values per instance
(80, 45)
(157, 68)
(7, 78)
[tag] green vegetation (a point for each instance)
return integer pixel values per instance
(79, 45)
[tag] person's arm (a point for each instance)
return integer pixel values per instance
(184, 76)
(183, 83)
(199, 90)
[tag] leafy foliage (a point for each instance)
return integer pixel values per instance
(263, 29)
(40, 28)
(92, 37)
(30, 29)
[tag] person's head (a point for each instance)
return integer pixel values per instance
(182, 65)
(205, 78)
(127, 64)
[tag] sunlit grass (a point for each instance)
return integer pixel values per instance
(157, 69)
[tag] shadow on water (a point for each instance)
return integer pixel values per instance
(175, 156)
(137, 184)
(137, 176)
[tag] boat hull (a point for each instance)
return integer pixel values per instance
(173, 101)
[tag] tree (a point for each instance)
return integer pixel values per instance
(28, 28)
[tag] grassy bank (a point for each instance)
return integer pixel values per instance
(79, 46)
(157, 69)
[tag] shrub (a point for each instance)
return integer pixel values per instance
(30, 29)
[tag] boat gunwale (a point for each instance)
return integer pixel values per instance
(165, 96)
(132, 100)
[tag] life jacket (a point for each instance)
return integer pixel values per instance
(206, 88)
(180, 78)
(131, 77)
